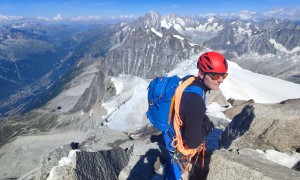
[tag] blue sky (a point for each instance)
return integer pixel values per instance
(133, 8)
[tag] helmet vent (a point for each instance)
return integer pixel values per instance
(202, 67)
(207, 58)
(209, 67)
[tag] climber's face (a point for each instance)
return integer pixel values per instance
(212, 80)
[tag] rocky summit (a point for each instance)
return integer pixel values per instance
(258, 126)
(142, 154)
(264, 126)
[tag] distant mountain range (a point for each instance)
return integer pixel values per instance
(38, 59)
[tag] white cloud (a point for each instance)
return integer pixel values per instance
(208, 15)
(128, 16)
(287, 13)
(43, 18)
(59, 17)
(280, 12)
(228, 15)
(5, 17)
(87, 18)
(274, 13)
(246, 14)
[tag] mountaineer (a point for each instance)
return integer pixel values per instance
(178, 110)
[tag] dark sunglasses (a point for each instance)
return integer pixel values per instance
(216, 76)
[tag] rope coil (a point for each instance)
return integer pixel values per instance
(177, 142)
(177, 122)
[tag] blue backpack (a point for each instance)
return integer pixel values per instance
(160, 93)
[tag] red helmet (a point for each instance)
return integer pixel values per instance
(212, 62)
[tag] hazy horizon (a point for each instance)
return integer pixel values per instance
(95, 9)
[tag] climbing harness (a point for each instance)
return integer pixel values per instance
(184, 162)
(202, 149)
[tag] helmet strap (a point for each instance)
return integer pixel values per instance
(200, 73)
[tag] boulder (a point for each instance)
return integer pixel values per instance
(297, 166)
(216, 96)
(105, 164)
(237, 107)
(62, 173)
(50, 160)
(230, 165)
(265, 126)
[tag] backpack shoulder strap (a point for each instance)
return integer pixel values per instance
(195, 89)
(187, 80)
